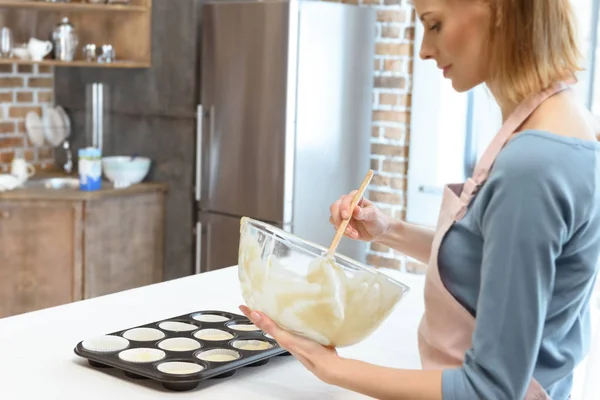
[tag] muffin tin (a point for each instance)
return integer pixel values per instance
(182, 351)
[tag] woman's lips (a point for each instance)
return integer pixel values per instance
(445, 70)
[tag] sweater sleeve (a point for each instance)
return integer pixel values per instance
(522, 223)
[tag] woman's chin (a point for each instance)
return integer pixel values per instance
(461, 86)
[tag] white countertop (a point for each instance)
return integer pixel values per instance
(39, 362)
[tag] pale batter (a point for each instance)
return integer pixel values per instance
(219, 357)
(244, 327)
(315, 304)
(214, 335)
(254, 345)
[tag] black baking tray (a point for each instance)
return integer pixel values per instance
(212, 370)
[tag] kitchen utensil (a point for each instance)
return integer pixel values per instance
(182, 351)
(108, 54)
(90, 169)
(65, 40)
(89, 52)
(9, 182)
(21, 51)
(124, 171)
(35, 128)
(340, 231)
(65, 117)
(6, 43)
(338, 303)
(97, 114)
(38, 49)
(68, 165)
(21, 169)
(55, 127)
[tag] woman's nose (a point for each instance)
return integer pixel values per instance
(427, 52)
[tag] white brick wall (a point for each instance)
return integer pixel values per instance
(391, 116)
(23, 88)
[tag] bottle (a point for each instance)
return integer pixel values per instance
(65, 41)
(90, 169)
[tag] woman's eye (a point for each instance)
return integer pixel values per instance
(435, 27)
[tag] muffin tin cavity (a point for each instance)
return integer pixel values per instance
(244, 327)
(181, 352)
(179, 368)
(206, 317)
(219, 355)
(105, 344)
(144, 334)
(179, 344)
(142, 355)
(213, 335)
(252, 345)
(176, 326)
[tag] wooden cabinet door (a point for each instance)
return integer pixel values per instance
(40, 261)
(124, 243)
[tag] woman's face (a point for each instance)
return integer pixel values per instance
(456, 34)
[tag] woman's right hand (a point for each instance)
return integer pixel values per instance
(368, 223)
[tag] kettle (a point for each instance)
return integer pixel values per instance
(65, 41)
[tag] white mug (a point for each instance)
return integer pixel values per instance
(38, 49)
(21, 169)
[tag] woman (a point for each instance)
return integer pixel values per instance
(513, 260)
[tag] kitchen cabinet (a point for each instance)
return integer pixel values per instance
(61, 246)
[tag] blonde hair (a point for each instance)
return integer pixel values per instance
(533, 44)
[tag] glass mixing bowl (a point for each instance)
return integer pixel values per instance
(335, 301)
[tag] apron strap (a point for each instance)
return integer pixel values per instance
(514, 121)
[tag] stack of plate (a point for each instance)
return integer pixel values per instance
(54, 126)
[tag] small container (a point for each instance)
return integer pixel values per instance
(243, 327)
(179, 344)
(210, 317)
(219, 355)
(90, 169)
(105, 344)
(179, 368)
(143, 334)
(252, 345)
(175, 326)
(213, 335)
(142, 355)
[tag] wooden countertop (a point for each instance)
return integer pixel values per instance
(34, 193)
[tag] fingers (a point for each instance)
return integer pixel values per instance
(266, 324)
(345, 202)
(334, 212)
(246, 311)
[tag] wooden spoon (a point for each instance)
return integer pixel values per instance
(340, 231)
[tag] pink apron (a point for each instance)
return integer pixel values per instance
(446, 327)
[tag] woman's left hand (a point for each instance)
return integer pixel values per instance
(318, 359)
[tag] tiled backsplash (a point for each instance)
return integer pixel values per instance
(23, 88)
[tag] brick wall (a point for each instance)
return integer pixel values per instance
(23, 88)
(391, 117)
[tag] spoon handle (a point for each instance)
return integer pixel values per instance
(340, 231)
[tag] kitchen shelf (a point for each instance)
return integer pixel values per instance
(72, 7)
(77, 63)
(127, 27)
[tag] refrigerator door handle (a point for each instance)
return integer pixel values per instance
(198, 266)
(199, 120)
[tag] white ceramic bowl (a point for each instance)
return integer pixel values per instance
(124, 170)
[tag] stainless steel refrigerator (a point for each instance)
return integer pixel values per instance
(284, 121)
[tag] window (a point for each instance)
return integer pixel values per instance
(450, 130)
